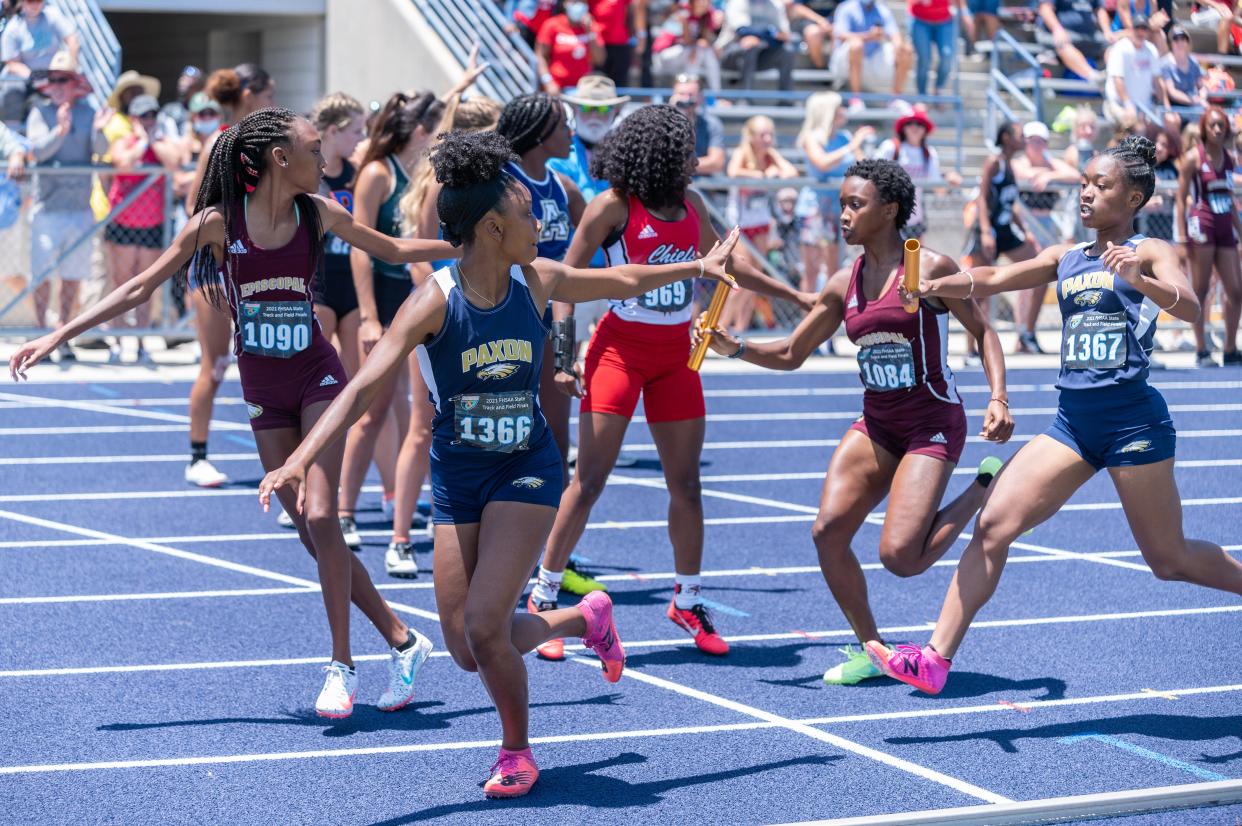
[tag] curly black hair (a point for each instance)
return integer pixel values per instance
(1136, 155)
(470, 165)
(891, 181)
(650, 154)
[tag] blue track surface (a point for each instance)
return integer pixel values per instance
(161, 648)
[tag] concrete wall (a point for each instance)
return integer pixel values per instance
(388, 49)
(290, 47)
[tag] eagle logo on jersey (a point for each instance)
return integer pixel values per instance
(254, 410)
(497, 371)
(532, 482)
(1137, 446)
(1089, 298)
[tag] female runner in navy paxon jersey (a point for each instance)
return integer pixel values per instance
(254, 245)
(1108, 416)
(495, 468)
(913, 428)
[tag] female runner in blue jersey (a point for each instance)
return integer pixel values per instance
(1108, 416)
(496, 471)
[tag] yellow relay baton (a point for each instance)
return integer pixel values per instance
(714, 309)
(910, 278)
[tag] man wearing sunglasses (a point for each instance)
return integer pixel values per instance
(708, 129)
(64, 130)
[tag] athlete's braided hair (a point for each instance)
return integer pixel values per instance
(235, 166)
(650, 155)
(891, 181)
(470, 166)
(524, 120)
(1136, 156)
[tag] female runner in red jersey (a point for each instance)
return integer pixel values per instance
(254, 246)
(1211, 230)
(913, 427)
(641, 347)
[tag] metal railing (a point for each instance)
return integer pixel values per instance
(999, 81)
(463, 23)
(100, 59)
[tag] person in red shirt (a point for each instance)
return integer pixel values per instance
(569, 46)
(612, 21)
(931, 27)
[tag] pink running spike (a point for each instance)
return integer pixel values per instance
(601, 634)
(922, 668)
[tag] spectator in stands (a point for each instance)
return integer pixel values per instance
(1038, 175)
(1226, 16)
(981, 15)
(687, 45)
(567, 47)
(135, 237)
(65, 130)
(33, 37)
(1184, 81)
(612, 22)
(177, 112)
(1134, 81)
(750, 209)
(528, 17)
(1085, 138)
(687, 95)
(597, 107)
(1075, 29)
(813, 26)
(932, 28)
(830, 150)
(869, 52)
(1156, 218)
(909, 147)
(756, 36)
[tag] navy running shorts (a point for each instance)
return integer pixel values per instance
(1115, 426)
(460, 491)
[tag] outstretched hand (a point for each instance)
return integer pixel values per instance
(718, 339)
(718, 261)
(290, 474)
(30, 354)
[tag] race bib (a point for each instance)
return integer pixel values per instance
(275, 328)
(887, 366)
(670, 298)
(1095, 340)
(495, 421)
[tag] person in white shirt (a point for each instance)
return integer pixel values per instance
(910, 148)
(1133, 76)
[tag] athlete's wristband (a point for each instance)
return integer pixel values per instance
(741, 348)
(563, 345)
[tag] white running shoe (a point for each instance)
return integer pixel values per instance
(349, 530)
(399, 560)
(204, 474)
(402, 669)
(336, 699)
(285, 520)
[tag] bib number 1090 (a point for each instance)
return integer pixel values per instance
(267, 336)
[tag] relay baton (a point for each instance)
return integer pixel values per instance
(910, 280)
(714, 309)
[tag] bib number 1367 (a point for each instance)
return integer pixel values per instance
(1095, 340)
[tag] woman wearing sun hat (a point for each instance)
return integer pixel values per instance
(909, 147)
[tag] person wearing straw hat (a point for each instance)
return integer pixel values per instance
(597, 107)
(64, 130)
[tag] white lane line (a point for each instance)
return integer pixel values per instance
(811, 732)
(675, 642)
(1058, 809)
(117, 410)
(716, 494)
(428, 586)
(818, 475)
(637, 447)
(679, 731)
(190, 556)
